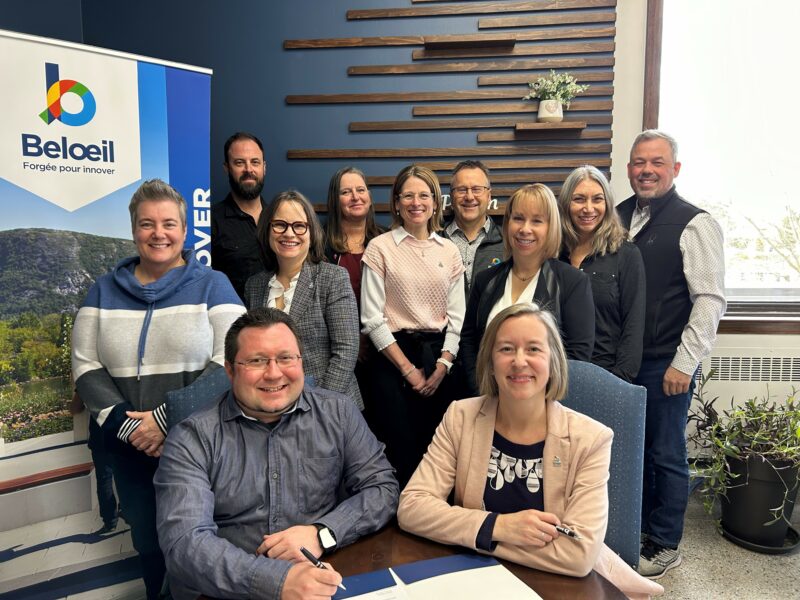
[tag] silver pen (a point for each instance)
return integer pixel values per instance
(568, 532)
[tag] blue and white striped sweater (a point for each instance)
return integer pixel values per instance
(132, 343)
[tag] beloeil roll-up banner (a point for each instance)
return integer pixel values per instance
(80, 129)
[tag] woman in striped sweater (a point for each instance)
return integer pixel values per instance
(155, 323)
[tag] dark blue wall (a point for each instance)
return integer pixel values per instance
(59, 19)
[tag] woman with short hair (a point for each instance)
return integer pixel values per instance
(156, 323)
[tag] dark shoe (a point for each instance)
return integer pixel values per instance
(107, 528)
(655, 559)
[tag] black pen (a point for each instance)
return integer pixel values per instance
(316, 562)
(568, 532)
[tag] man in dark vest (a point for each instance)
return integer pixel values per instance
(681, 245)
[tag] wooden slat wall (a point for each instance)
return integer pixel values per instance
(528, 39)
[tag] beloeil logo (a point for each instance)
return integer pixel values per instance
(56, 89)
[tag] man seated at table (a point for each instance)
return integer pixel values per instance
(270, 467)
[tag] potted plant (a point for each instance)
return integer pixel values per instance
(749, 459)
(553, 92)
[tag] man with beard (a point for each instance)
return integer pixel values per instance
(234, 246)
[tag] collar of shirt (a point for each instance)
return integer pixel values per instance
(399, 234)
(231, 409)
(276, 290)
(452, 227)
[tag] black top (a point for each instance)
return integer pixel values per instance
(234, 246)
(514, 479)
(668, 304)
(618, 289)
(562, 289)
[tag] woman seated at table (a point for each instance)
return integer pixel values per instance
(531, 273)
(594, 242)
(298, 281)
(520, 463)
(412, 307)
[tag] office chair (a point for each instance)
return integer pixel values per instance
(619, 405)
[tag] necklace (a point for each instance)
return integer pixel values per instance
(523, 279)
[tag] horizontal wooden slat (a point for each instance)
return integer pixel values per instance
(538, 163)
(477, 39)
(573, 62)
(355, 42)
(509, 107)
(548, 19)
(406, 96)
(527, 50)
(495, 178)
(466, 124)
(524, 78)
(505, 192)
(294, 154)
(527, 136)
(478, 8)
(426, 96)
(529, 126)
(470, 40)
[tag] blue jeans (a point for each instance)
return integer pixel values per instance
(105, 476)
(666, 470)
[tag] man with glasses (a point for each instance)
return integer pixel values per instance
(272, 466)
(234, 249)
(472, 230)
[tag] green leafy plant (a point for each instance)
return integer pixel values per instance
(556, 86)
(760, 428)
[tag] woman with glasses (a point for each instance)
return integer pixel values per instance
(298, 281)
(531, 273)
(412, 307)
(594, 242)
(156, 323)
(527, 477)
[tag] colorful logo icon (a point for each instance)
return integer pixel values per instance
(56, 88)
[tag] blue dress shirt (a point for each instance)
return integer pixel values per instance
(224, 480)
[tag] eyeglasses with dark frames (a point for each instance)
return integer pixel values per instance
(298, 227)
(262, 362)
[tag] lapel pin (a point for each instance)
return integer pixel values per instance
(556, 461)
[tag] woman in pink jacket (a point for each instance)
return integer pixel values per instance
(521, 464)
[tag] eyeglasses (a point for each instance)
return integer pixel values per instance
(298, 227)
(352, 192)
(409, 197)
(262, 363)
(476, 190)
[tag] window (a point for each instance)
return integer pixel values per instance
(727, 92)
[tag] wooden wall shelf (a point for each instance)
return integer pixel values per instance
(470, 40)
(536, 126)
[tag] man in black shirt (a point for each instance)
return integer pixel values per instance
(234, 248)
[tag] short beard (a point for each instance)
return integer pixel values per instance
(245, 193)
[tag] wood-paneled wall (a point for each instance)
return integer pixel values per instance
(507, 45)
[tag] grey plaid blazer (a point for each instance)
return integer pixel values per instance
(325, 312)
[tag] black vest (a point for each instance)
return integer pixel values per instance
(668, 302)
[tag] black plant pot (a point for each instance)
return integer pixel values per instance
(759, 488)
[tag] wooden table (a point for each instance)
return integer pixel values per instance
(392, 546)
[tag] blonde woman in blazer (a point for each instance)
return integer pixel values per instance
(522, 371)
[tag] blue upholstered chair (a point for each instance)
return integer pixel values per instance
(619, 405)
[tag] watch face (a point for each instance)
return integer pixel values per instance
(326, 539)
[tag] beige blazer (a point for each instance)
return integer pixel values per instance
(577, 453)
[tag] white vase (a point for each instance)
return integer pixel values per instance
(550, 111)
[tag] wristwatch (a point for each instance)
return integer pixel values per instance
(327, 540)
